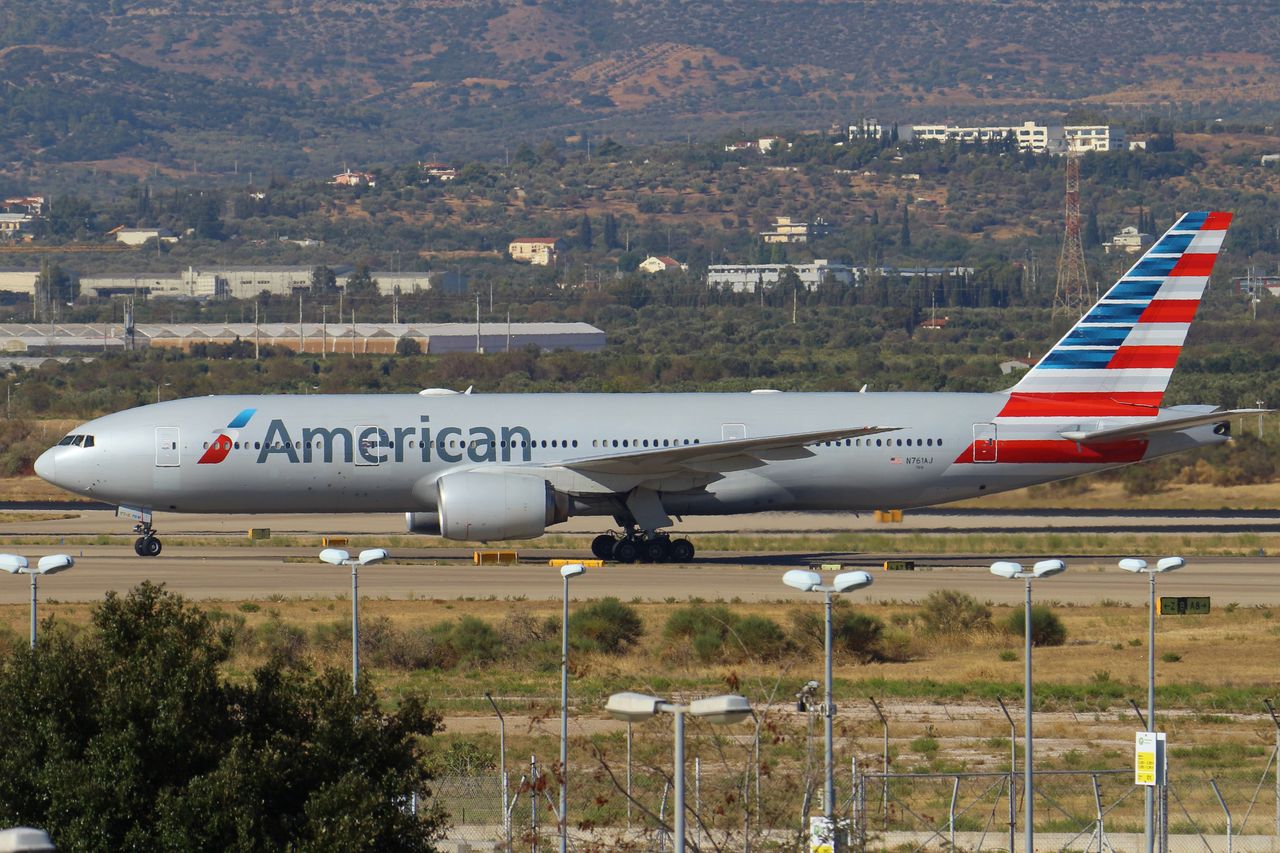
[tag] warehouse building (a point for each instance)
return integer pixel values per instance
(374, 338)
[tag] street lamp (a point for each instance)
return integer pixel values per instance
(50, 565)
(160, 385)
(338, 557)
(1042, 569)
(808, 581)
(8, 399)
(1168, 564)
(572, 570)
(635, 707)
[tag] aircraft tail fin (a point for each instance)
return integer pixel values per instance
(1118, 358)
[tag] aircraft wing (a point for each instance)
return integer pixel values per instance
(1150, 428)
(716, 456)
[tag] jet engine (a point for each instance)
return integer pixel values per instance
(480, 507)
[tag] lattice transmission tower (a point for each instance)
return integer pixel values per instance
(1073, 295)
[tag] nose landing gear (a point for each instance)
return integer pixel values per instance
(147, 544)
(644, 546)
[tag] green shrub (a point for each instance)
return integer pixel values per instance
(1046, 628)
(702, 631)
(760, 638)
(852, 633)
(475, 641)
(607, 626)
(280, 641)
(949, 611)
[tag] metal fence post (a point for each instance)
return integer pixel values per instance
(1272, 711)
(533, 800)
(1227, 811)
(884, 815)
(951, 811)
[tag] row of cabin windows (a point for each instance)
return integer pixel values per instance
(885, 442)
(566, 443)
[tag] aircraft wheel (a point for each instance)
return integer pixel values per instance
(137, 546)
(602, 546)
(681, 551)
(149, 546)
(625, 551)
(655, 551)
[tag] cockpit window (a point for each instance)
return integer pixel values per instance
(88, 441)
(66, 439)
(76, 441)
(79, 441)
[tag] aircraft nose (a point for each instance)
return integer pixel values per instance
(46, 466)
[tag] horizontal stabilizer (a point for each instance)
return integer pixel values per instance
(1145, 430)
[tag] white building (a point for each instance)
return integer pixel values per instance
(661, 263)
(445, 281)
(1030, 136)
(13, 224)
(19, 281)
(1130, 241)
(1082, 138)
(750, 277)
(138, 236)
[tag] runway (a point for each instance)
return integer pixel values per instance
(253, 571)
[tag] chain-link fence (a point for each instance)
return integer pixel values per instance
(757, 790)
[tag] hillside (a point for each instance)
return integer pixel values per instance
(294, 88)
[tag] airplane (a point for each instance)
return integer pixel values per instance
(480, 468)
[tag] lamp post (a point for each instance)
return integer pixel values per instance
(338, 557)
(8, 399)
(502, 770)
(1042, 569)
(160, 385)
(634, 707)
(572, 570)
(808, 581)
(50, 565)
(1168, 564)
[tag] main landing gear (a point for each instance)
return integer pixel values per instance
(148, 544)
(642, 546)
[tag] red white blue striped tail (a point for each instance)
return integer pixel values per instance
(1120, 355)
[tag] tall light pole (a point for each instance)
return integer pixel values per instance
(635, 707)
(572, 570)
(1168, 564)
(8, 399)
(50, 565)
(807, 581)
(160, 385)
(338, 557)
(1042, 569)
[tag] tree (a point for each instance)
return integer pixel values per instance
(585, 237)
(611, 232)
(361, 283)
(904, 239)
(323, 280)
(137, 742)
(1093, 236)
(54, 287)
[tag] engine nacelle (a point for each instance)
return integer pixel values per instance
(480, 507)
(425, 523)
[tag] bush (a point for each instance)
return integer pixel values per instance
(949, 611)
(475, 641)
(607, 626)
(760, 638)
(851, 633)
(701, 630)
(281, 641)
(1046, 628)
(718, 635)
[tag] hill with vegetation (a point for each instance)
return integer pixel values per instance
(286, 88)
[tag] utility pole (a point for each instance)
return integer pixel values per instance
(1072, 296)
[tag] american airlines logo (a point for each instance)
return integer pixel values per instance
(373, 445)
(221, 446)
